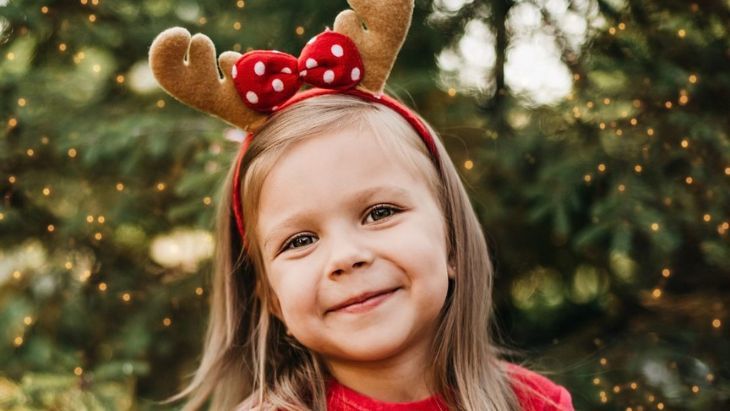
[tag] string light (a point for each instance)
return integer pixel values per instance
(46, 191)
(22, 102)
(716, 323)
(96, 68)
(78, 371)
(299, 30)
(468, 164)
(655, 226)
(601, 167)
(10, 56)
(650, 131)
(101, 219)
(612, 31)
(707, 218)
(69, 265)
(666, 273)
(160, 103)
(72, 152)
(62, 47)
(44, 9)
(684, 143)
(668, 105)
(102, 286)
(51, 228)
(120, 79)
(30, 152)
(656, 293)
(89, 219)
(693, 78)
(120, 187)
(237, 25)
(240, 4)
(28, 320)
(18, 341)
(126, 297)
(160, 186)
(202, 21)
(207, 201)
(621, 188)
(98, 236)
(12, 122)
(681, 33)
(166, 321)
(689, 180)
(12, 179)
(452, 92)
(17, 274)
(199, 291)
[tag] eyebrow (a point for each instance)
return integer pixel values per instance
(358, 197)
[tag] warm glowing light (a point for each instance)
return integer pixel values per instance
(616, 389)
(612, 30)
(30, 152)
(693, 78)
(120, 187)
(22, 102)
(17, 274)
(160, 186)
(160, 103)
(78, 370)
(89, 219)
(650, 131)
(707, 218)
(27, 320)
(689, 180)
(601, 167)
(606, 101)
(684, 143)
(656, 293)
(12, 122)
(596, 381)
(166, 321)
(126, 297)
(681, 33)
(18, 341)
(240, 4)
(51, 228)
(102, 286)
(452, 92)
(101, 219)
(10, 56)
(622, 187)
(96, 68)
(660, 406)
(44, 10)
(120, 79)
(207, 200)
(695, 389)
(655, 226)
(11, 179)
(716, 323)
(668, 104)
(199, 291)
(602, 126)
(468, 164)
(683, 100)
(237, 25)
(46, 191)
(603, 361)
(69, 265)
(666, 273)
(622, 26)
(98, 236)
(62, 47)
(202, 20)
(72, 152)
(92, 18)
(633, 385)
(299, 30)
(634, 121)
(637, 168)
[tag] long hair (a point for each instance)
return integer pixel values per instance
(249, 360)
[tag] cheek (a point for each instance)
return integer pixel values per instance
(295, 292)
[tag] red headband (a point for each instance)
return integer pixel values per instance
(383, 99)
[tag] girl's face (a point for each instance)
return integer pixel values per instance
(341, 220)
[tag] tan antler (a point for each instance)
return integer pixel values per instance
(387, 24)
(186, 69)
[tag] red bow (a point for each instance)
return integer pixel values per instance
(267, 78)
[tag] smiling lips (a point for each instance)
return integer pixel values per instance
(363, 302)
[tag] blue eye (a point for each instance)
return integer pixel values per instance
(299, 241)
(382, 211)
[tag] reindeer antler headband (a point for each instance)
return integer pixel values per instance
(350, 59)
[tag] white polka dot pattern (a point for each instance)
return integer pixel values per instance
(329, 76)
(252, 97)
(259, 68)
(337, 50)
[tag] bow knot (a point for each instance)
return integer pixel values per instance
(267, 78)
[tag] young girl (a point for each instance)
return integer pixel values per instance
(351, 272)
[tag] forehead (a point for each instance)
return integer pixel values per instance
(330, 169)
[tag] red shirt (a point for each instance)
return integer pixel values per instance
(341, 398)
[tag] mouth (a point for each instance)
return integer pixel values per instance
(363, 302)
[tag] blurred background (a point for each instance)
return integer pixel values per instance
(592, 135)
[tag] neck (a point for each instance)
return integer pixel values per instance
(404, 378)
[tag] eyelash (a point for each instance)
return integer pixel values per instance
(394, 210)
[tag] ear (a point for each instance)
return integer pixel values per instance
(451, 270)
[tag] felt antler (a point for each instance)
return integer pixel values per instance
(387, 24)
(186, 69)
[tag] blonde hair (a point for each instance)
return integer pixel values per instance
(249, 360)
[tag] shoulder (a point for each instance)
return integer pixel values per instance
(536, 392)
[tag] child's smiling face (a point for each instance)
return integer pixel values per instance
(339, 217)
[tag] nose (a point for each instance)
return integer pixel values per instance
(348, 252)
